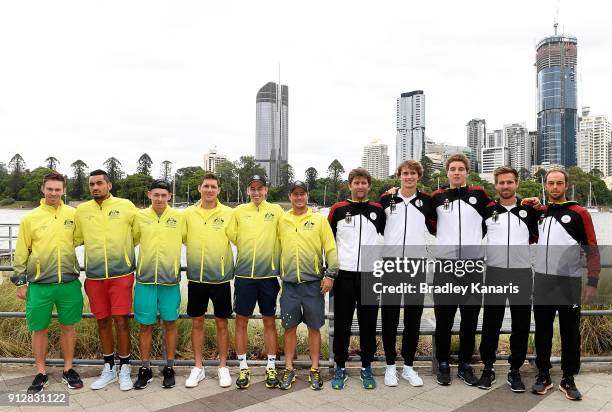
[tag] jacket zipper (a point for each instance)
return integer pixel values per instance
(547, 241)
(459, 222)
(359, 245)
(405, 224)
(508, 247)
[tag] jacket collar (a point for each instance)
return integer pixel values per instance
(45, 206)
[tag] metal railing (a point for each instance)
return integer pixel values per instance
(298, 363)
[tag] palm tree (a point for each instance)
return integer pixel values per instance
(144, 165)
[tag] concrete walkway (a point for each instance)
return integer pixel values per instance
(595, 382)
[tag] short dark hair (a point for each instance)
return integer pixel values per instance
(458, 157)
(209, 176)
(559, 170)
(359, 172)
(54, 176)
(100, 172)
(502, 170)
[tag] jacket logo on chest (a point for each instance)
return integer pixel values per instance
(269, 217)
(68, 224)
(373, 216)
(309, 225)
(218, 222)
(348, 218)
(566, 218)
(171, 222)
(113, 214)
(523, 214)
(472, 200)
(418, 203)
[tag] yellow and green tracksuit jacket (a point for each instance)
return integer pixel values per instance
(106, 232)
(45, 246)
(254, 232)
(303, 240)
(209, 252)
(161, 242)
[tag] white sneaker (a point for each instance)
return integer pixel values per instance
(391, 375)
(412, 376)
(225, 380)
(125, 381)
(196, 375)
(107, 376)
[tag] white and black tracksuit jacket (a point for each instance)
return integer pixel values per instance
(509, 234)
(406, 224)
(355, 224)
(460, 212)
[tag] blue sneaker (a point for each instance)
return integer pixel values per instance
(339, 378)
(367, 378)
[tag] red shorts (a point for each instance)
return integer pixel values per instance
(110, 296)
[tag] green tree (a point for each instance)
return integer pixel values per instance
(166, 170)
(144, 164)
(334, 173)
(427, 170)
(51, 163)
(79, 168)
(539, 174)
(227, 173)
(134, 187)
(115, 174)
(33, 181)
(187, 181)
(529, 188)
(524, 174)
(311, 177)
(17, 166)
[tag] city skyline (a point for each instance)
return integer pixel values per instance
(178, 80)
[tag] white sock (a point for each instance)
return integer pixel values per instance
(271, 362)
(243, 362)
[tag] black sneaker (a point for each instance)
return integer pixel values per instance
(169, 381)
(487, 379)
(515, 382)
(466, 374)
(40, 381)
(443, 377)
(568, 387)
(542, 383)
(145, 376)
(72, 379)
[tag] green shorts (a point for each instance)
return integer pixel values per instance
(149, 299)
(67, 298)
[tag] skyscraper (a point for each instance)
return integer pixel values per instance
(518, 141)
(376, 159)
(556, 60)
(410, 119)
(494, 157)
(271, 130)
(594, 140)
(212, 159)
(476, 130)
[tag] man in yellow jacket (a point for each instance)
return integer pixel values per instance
(160, 231)
(210, 269)
(253, 231)
(46, 272)
(104, 226)
(306, 242)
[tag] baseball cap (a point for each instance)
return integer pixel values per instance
(298, 183)
(160, 184)
(257, 178)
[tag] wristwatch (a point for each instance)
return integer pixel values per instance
(19, 280)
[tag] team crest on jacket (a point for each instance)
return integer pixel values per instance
(269, 216)
(218, 222)
(68, 224)
(472, 200)
(566, 218)
(171, 222)
(418, 203)
(523, 213)
(113, 214)
(373, 216)
(309, 225)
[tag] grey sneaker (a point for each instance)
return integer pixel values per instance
(108, 375)
(287, 379)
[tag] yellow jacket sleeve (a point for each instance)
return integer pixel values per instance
(22, 251)
(232, 229)
(78, 231)
(329, 247)
(136, 231)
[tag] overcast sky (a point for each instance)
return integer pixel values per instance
(88, 80)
